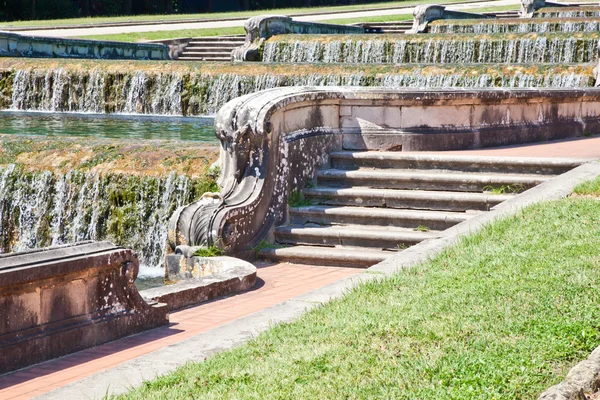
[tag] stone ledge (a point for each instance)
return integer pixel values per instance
(202, 279)
(17, 45)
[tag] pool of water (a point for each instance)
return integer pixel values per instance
(108, 126)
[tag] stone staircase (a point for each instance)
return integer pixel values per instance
(216, 48)
(387, 27)
(369, 205)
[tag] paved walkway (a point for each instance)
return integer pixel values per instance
(276, 284)
(586, 148)
(174, 26)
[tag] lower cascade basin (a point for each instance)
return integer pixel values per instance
(69, 177)
(108, 126)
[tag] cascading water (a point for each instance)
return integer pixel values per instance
(201, 94)
(494, 27)
(568, 13)
(528, 49)
(44, 208)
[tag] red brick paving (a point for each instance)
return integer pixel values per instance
(280, 282)
(587, 148)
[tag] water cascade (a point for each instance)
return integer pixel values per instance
(517, 49)
(187, 93)
(515, 26)
(44, 208)
(567, 12)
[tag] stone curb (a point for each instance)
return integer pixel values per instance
(133, 373)
(582, 378)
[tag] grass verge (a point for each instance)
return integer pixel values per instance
(502, 315)
(589, 188)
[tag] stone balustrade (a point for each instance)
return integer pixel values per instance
(60, 300)
(273, 142)
(17, 45)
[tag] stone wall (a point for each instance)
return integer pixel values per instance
(16, 45)
(61, 300)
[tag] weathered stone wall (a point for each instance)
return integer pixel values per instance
(66, 299)
(16, 45)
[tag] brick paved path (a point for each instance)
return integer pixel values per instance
(279, 282)
(588, 148)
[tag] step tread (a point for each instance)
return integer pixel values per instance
(375, 212)
(414, 194)
(437, 175)
(336, 254)
(399, 156)
(356, 231)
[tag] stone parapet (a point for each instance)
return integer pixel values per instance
(59, 300)
(424, 14)
(260, 28)
(17, 45)
(273, 142)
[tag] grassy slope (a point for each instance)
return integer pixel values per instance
(503, 314)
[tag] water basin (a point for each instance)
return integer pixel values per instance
(108, 126)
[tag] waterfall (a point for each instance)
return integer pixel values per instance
(43, 208)
(494, 27)
(568, 13)
(528, 49)
(97, 91)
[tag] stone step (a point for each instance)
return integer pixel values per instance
(206, 53)
(414, 199)
(352, 235)
(395, 160)
(435, 220)
(236, 39)
(428, 180)
(202, 45)
(211, 59)
(328, 256)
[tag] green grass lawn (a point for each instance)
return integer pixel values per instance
(504, 314)
(590, 188)
(239, 14)
(158, 35)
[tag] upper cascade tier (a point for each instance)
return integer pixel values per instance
(568, 12)
(532, 25)
(457, 49)
(190, 90)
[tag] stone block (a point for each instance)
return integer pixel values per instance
(436, 116)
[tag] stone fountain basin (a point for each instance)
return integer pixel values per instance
(201, 279)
